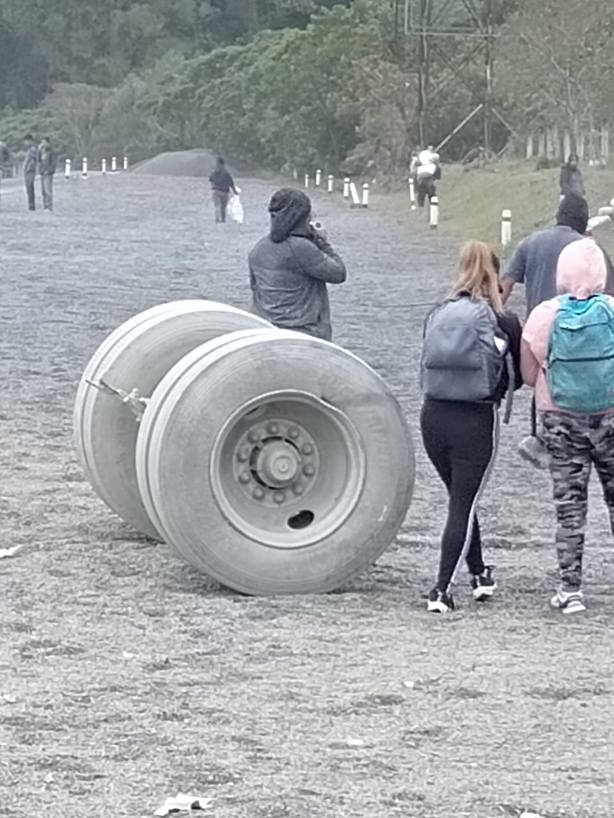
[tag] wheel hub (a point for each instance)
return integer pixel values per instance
(275, 460)
(286, 469)
(277, 463)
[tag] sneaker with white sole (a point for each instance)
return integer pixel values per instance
(568, 602)
(534, 451)
(439, 602)
(484, 585)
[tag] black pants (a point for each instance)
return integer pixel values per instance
(461, 441)
(220, 205)
(426, 188)
(30, 191)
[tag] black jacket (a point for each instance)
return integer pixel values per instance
(222, 181)
(288, 281)
(571, 180)
(510, 325)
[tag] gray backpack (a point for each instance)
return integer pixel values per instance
(464, 352)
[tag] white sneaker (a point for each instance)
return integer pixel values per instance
(533, 450)
(568, 602)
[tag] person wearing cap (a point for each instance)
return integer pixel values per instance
(290, 268)
(534, 264)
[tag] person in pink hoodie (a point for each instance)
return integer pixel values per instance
(567, 355)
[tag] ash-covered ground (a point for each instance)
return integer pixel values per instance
(125, 676)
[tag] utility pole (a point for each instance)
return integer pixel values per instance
(489, 62)
(455, 33)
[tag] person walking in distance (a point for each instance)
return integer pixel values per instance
(29, 170)
(568, 357)
(571, 179)
(47, 161)
(221, 184)
(470, 363)
(290, 268)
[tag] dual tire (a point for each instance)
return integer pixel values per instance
(273, 461)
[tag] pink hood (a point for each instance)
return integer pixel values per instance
(581, 269)
(581, 272)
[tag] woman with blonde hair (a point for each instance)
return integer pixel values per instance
(470, 362)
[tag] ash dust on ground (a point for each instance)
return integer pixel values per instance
(127, 677)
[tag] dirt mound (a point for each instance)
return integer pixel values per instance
(196, 163)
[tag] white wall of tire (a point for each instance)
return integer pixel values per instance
(273, 461)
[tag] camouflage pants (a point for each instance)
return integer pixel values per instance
(575, 443)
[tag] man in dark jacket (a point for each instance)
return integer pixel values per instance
(221, 184)
(29, 169)
(290, 268)
(47, 162)
(571, 179)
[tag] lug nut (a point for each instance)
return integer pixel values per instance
(298, 490)
(258, 493)
(273, 429)
(309, 471)
(243, 455)
(307, 449)
(293, 433)
(253, 436)
(245, 477)
(279, 497)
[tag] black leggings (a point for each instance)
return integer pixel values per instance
(461, 441)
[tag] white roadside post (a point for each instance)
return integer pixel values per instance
(125, 163)
(412, 193)
(114, 164)
(318, 177)
(434, 213)
(84, 168)
(365, 194)
(331, 183)
(104, 167)
(67, 169)
(307, 181)
(295, 175)
(346, 187)
(506, 227)
(355, 197)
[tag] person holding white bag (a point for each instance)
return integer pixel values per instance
(221, 184)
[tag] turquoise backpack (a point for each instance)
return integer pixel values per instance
(581, 355)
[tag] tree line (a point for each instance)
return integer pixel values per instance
(295, 83)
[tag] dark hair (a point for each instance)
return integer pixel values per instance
(220, 161)
(573, 212)
(29, 136)
(46, 139)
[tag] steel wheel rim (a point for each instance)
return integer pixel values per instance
(287, 469)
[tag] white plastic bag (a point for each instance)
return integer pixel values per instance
(235, 209)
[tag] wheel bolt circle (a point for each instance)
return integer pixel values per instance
(258, 493)
(279, 497)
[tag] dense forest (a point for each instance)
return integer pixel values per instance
(298, 82)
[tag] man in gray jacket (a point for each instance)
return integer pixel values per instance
(29, 169)
(290, 268)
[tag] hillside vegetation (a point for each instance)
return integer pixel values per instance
(298, 83)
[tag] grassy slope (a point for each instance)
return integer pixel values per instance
(471, 201)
